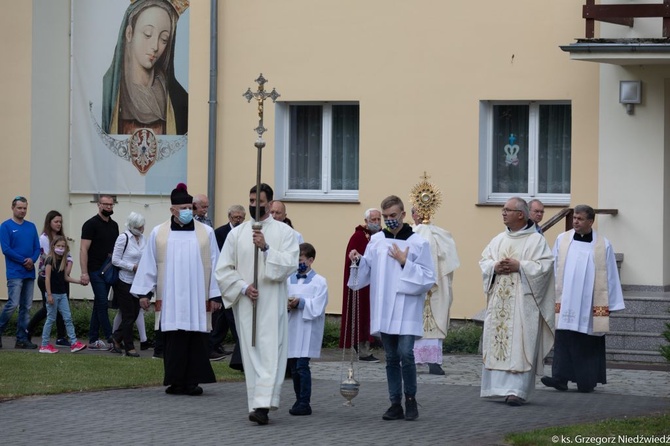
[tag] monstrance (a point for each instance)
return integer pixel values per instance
(425, 198)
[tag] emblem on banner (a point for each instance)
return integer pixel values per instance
(143, 149)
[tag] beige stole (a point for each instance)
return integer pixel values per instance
(161, 250)
(601, 309)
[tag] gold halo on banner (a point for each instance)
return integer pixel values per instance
(426, 198)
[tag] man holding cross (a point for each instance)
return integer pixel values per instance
(265, 362)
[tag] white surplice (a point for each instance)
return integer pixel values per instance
(519, 321)
(578, 284)
(396, 293)
(185, 289)
(305, 325)
(265, 363)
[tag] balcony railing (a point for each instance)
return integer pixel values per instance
(624, 14)
(567, 214)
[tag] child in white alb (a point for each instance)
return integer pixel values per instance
(307, 300)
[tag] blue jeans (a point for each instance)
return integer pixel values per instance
(302, 379)
(19, 293)
(61, 306)
(99, 317)
(399, 349)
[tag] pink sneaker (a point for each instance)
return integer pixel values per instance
(48, 349)
(77, 346)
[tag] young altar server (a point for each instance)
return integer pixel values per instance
(307, 300)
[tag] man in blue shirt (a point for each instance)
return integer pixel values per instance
(21, 247)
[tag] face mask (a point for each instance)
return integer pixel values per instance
(374, 227)
(59, 251)
(392, 223)
(135, 232)
(302, 267)
(252, 211)
(185, 216)
(107, 213)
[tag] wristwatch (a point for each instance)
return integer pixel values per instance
(265, 248)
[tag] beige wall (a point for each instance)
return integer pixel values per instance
(632, 144)
(15, 79)
(418, 69)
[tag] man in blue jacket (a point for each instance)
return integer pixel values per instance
(21, 247)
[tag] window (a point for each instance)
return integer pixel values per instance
(317, 151)
(525, 150)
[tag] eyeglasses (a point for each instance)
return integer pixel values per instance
(505, 210)
(111, 205)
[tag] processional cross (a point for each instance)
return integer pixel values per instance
(260, 95)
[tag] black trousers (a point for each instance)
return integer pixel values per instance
(222, 321)
(129, 306)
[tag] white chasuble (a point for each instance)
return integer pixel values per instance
(264, 363)
(439, 298)
(396, 293)
(519, 321)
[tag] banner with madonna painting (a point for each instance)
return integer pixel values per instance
(129, 95)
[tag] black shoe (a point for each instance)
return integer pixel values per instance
(368, 358)
(157, 355)
(0, 341)
(62, 342)
(132, 354)
(301, 409)
(411, 411)
(513, 400)
(175, 390)
(435, 369)
(193, 390)
(555, 383)
(146, 345)
(216, 356)
(27, 345)
(582, 389)
(259, 416)
(394, 412)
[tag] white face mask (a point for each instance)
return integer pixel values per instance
(135, 231)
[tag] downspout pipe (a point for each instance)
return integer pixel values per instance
(213, 74)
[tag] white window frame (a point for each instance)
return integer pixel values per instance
(486, 196)
(282, 191)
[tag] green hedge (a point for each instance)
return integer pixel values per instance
(461, 338)
(81, 317)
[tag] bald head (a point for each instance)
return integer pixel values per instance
(278, 210)
(200, 205)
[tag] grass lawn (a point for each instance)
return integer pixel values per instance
(29, 373)
(654, 429)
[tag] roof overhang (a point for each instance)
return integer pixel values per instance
(621, 51)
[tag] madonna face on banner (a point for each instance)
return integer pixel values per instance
(130, 116)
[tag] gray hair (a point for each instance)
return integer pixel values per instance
(585, 209)
(370, 211)
(522, 206)
(236, 208)
(134, 220)
(534, 200)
